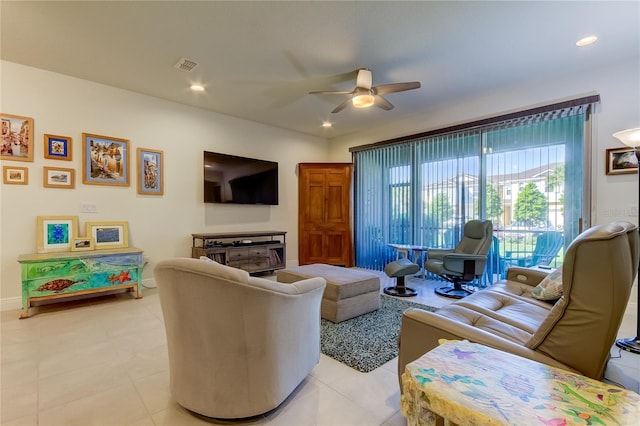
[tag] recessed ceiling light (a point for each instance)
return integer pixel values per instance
(197, 88)
(585, 41)
(326, 124)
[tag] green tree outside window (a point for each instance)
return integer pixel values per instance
(531, 207)
(440, 207)
(494, 204)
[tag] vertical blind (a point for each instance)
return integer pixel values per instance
(525, 174)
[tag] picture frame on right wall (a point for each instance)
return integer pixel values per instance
(150, 171)
(621, 161)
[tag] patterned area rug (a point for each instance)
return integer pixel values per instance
(367, 341)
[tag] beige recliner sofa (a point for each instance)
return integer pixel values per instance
(238, 345)
(575, 333)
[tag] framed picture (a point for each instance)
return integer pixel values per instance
(55, 233)
(15, 175)
(105, 160)
(57, 147)
(55, 177)
(82, 244)
(17, 138)
(150, 171)
(621, 161)
(107, 235)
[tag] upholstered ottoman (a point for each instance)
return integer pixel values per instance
(349, 292)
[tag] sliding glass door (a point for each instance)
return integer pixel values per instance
(449, 180)
(526, 177)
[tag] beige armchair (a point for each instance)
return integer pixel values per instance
(238, 345)
(575, 333)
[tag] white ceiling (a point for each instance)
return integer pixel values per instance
(259, 60)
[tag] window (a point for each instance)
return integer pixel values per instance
(525, 174)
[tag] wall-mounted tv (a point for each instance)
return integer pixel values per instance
(239, 180)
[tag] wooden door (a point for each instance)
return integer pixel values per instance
(324, 214)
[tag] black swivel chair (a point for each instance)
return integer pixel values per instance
(464, 263)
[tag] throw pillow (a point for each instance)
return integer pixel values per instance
(550, 288)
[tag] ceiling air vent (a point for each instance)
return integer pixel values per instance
(187, 65)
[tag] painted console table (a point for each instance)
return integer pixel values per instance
(48, 276)
(471, 384)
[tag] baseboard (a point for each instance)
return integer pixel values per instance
(149, 283)
(10, 304)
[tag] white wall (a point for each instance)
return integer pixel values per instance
(160, 225)
(613, 197)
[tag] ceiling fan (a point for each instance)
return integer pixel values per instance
(366, 95)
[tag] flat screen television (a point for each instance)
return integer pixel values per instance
(231, 179)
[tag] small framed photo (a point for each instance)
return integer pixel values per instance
(15, 175)
(621, 161)
(105, 160)
(57, 147)
(55, 177)
(150, 171)
(108, 235)
(55, 233)
(17, 138)
(82, 244)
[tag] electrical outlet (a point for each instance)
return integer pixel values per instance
(88, 208)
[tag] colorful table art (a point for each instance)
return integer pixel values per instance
(59, 275)
(470, 384)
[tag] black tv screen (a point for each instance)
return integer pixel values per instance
(239, 180)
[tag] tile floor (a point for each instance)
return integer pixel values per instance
(103, 361)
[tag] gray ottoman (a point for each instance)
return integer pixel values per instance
(398, 270)
(349, 292)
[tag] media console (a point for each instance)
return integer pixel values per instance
(252, 251)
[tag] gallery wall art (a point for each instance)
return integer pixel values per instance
(17, 138)
(105, 160)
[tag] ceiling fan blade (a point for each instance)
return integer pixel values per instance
(331, 92)
(363, 79)
(383, 103)
(396, 87)
(341, 106)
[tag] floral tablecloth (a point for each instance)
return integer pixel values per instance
(470, 384)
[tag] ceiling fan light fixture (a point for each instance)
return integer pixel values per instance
(364, 95)
(363, 101)
(585, 41)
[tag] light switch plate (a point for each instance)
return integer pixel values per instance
(88, 208)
